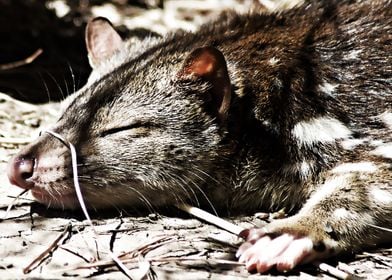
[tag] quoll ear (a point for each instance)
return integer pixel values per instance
(102, 41)
(209, 64)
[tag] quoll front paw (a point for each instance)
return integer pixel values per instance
(263, 251)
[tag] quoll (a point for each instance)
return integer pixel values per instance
(261, 111)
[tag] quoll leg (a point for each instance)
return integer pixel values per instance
(339, 217)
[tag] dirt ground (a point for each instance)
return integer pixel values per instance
(40, 243)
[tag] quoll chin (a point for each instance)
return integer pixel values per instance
(252, 112)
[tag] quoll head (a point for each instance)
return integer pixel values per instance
(148, 131)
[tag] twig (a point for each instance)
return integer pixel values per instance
(143, 249)
(75, 253)
(339, 274)
(113, 235)
(16, 217)
(219, 222)
(12, 203)
(22, 62)
(52, 247)
(345, 267)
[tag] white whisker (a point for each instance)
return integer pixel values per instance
(81, 199)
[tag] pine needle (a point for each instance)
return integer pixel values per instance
(13, 202)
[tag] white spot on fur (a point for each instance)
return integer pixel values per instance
(305, 169)
(343, 213)
(353, 54)
(328, 88)
(363, 167)
(383, 150)
(320, 130)
(273, 61)
(386, 117)
(351, 144)
(376, 143)
(381, 196)
(237, 78)
(352, 217)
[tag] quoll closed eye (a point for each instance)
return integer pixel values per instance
(141, 129)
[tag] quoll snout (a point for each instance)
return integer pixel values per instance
(42, 168)
(20, 170)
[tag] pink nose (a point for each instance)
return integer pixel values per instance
(20, 170)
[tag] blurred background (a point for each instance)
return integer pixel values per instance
(42, 50)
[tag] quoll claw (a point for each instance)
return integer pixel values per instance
(251, 236)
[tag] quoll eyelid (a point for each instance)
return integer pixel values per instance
(125, 127)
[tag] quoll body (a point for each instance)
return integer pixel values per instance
(253, 112)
